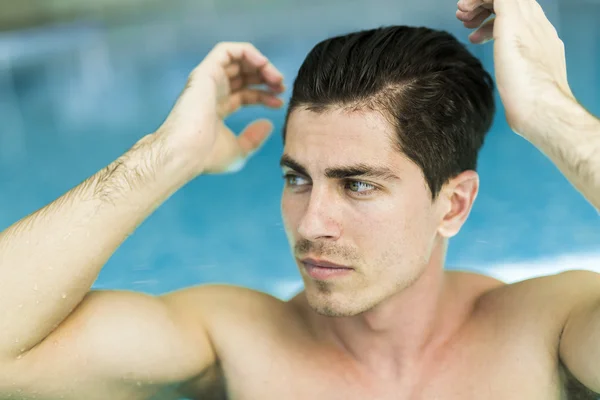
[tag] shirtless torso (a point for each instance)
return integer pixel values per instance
(507, 349)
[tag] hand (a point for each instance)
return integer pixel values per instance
(218, 86)
(529, 56)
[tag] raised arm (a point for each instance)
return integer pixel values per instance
(50, 259)
(532, 80)
(570, 136)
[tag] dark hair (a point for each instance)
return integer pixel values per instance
(434, 92)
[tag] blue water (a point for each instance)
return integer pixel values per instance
(74, 98)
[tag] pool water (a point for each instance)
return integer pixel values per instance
(75, 97)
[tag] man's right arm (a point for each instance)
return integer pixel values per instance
(53, 328)
(50, 259)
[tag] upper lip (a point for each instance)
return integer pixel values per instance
(322, 263)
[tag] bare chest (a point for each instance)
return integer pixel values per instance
(502, 353)
(479, 381)
(486, 372)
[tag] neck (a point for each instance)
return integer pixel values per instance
(397, 334)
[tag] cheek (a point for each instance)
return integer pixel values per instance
(402, 233)
(291, 212)
(418, 237)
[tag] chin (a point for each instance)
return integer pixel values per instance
(335, 304)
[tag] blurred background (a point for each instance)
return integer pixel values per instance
(81, 81)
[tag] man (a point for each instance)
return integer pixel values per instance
(368, 212)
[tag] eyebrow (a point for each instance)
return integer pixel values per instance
(342, 172)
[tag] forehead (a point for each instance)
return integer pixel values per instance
(339, 134)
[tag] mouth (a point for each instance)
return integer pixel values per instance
(321, 269)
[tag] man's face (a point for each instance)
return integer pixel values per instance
(380, 224)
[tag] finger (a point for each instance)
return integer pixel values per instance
(254, 136)
(271, 75)
(470, 5)
(239, 82)
(278, 88)
(469, 15)
(257, 96)
(231, 52)
(250, 59)
(478, 20)
(252, 97)
(249, 69)
(242, 79)
(233, 70)
(484, 33)
(267, 73)
(253, 61)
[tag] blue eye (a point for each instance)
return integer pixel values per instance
(292, 179)
(356, 186)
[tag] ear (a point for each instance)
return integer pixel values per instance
(455, 202)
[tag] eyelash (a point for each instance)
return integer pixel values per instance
(366, 193)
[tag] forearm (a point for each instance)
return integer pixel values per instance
(570, 137)
(50, 259)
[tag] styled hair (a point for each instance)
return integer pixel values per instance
(433, 91)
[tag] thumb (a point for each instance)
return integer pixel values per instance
(254, 136)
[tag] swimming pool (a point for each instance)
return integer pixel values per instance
(74, 98)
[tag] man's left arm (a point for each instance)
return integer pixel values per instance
(570, 136)
(531, 75)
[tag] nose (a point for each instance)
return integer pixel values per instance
(321, 218)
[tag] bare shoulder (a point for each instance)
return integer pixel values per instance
(245, 328)
(543, 302)
(560, 288)
(226, 310)
(225, 300)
